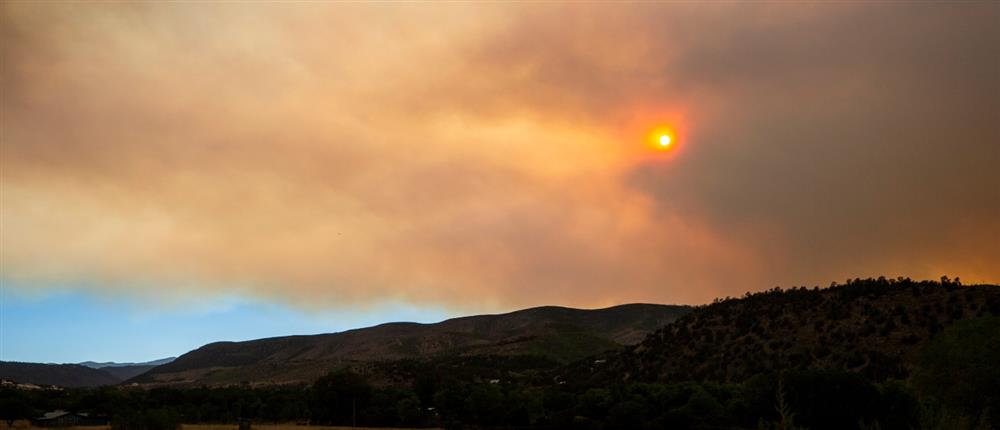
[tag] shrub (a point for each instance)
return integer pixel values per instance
(958, 367)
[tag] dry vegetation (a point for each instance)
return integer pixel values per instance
(867, 326)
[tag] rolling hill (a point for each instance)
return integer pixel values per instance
(107, 364)
(124, 371)
(556, 334)
(86, 374)
(63, 375)
(872, 327)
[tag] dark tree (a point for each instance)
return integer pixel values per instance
(338, 397)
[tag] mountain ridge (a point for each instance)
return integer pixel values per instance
(105, 364)
(558, 333)
(62, 375)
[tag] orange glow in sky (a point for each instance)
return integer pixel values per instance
(662, 138)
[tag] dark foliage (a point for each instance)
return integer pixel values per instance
(14, 407)
(820, 400)
(149, 419)
(335, 398)
(960, 368)
(868, 326)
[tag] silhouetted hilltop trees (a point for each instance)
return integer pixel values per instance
(868, 326)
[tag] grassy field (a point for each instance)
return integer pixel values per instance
(26, 425)
(277, 427)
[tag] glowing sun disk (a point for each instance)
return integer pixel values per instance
(663, 138)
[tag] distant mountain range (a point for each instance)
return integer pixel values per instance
(96, 365)
(86, 374)
(556, 334)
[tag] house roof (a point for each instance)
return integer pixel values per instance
(56, 414)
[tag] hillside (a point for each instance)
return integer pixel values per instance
(63, 375)
(554, 333)
(124, 371)
(107, 364)
(870, 327)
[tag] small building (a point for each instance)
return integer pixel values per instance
(61, 418)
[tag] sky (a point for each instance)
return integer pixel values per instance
(177, 173)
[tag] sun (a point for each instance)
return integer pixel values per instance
(665, 140)
(662, 138)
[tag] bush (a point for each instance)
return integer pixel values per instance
(958, 368)
(339, 398)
